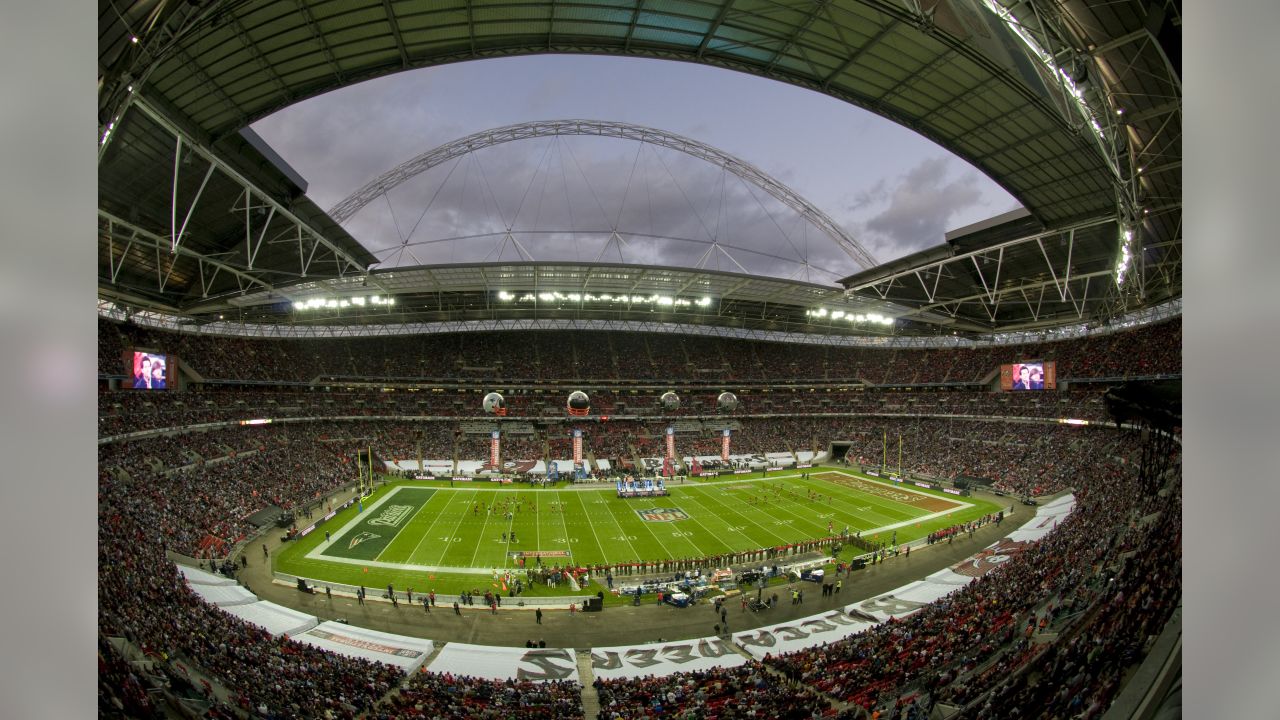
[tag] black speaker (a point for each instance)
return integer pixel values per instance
(594, 604)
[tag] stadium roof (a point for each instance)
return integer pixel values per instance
(191, 213)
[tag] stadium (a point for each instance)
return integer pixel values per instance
(520, 470)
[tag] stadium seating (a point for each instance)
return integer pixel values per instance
(1106, 581)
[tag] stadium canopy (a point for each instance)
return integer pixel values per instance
(1073, 107)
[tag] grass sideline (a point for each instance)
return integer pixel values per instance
(438, 526)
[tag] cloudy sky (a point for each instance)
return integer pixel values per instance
(891, 190)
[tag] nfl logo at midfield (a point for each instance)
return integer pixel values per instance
(663, 514)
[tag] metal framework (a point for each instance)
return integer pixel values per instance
(114, 311)
(384, 183)
(1059, 280)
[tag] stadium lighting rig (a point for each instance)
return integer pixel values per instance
(874, 318)
(319, 303)
(605, 298)
(1126, 255)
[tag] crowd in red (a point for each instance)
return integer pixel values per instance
(1104, 579)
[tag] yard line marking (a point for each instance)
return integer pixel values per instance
(646, 525)
(480, 540)
(603, 555)
(748, 519)
(732, 528)
(427, 533)
(624, 534)
(406, 527)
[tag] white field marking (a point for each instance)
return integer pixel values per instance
(485, 526)
(709, 532)
(410, 522)
(427, 533)
(621, 530)
(732, 528)
(587, 517)
(750, 520)
(646, 525)
(563, 525)
(871, 509)
(355, 520)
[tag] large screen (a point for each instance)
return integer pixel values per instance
(150, 371)
(1029, 375)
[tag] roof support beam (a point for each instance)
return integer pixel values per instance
(395, 32)
(146, 238)
(344, 261)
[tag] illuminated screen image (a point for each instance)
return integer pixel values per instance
(1028, 376)
(150, 371)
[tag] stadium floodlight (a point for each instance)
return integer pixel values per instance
(704, 301)
(1126, 254)
(357, 301)
(665, 300)
(836, 315)
(546, 296)
(575, 297)
(504, 295)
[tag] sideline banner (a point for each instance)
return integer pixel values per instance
(800, 634)
(275, 619)
(506, 663)
(406, 653)
(682, 656)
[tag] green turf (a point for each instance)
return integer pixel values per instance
(447, 529)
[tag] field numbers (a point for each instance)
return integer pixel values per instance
(624, 538)
(449, 539)
(680, 533)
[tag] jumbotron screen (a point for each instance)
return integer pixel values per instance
(150, 371)
(1029, 375)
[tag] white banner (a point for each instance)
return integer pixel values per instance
(224, 595)
(664, 659)
(800, 634)
(506, 663)
(200, 577)
(407, 653)
(1047, 518)
(275, 619)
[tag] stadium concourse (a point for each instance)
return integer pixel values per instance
(178, 473)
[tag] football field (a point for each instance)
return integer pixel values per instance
(410, 529)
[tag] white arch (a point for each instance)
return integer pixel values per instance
(524, 131)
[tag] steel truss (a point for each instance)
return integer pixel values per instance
(168, 321)
(266, 220)
(1128, 96)
(384, 183)
(1043, 298)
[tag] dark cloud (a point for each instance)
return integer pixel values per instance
(919, 207)
(666, 208)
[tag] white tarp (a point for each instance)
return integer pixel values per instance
(506, 663)
(470, 467)
(604, 465)
(804, 456)
(407, 653)
(1047, 518)
(200, 577)
(275, 619)
(224, 595)
(663, 659)
(800, 634)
